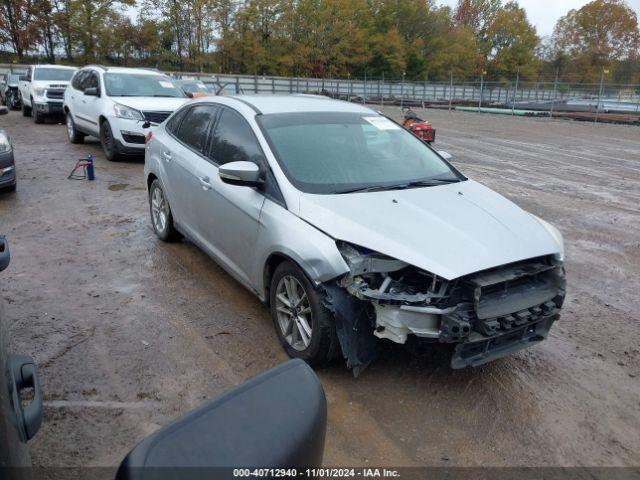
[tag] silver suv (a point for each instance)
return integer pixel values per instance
(352, 229)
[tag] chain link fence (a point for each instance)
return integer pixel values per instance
(603, 101)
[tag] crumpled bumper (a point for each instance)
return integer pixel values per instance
(480, 349)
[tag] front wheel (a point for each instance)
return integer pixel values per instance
(72, 132)
(26, 111)
(37, 116)
(161, 216)
(305, 327)
(108, 142)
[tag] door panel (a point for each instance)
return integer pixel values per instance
(228, 215)
(180, 159)
(227, 219)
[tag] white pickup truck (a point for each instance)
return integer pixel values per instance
(42, 90)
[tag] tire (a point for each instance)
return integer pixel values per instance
(37, 117)
(73, 134)
(289, 280)
(26, 111)
(108, 142)
(161, 216)
(9, 189)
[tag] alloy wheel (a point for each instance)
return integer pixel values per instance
(159, 210)
(69, 126)
(294, 312)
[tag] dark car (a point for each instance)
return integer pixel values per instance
(18, 422)
(7, 163)
(9, 93)
(276, 420)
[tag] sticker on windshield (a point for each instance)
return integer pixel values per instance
(166, 84)
(382, 123)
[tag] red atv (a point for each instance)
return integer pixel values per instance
(420, 128)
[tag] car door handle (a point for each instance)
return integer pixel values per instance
(23, 375)
(166, 155)
(204, 182)
(5, 256)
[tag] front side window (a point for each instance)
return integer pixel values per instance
(77, 79)
(91, 81)
(195, 126)
(233, 140)
(326, 152)
(53, 74)
(140, 85)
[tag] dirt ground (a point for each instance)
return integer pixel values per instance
(129, 332)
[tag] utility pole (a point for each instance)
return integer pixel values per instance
(595, 120)
(555, 89)
(481, 89)
(402, 91)
(515, 92)
(450, 89)
(364, 93)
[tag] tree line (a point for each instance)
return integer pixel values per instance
(414, 39)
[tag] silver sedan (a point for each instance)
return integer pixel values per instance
(352, 230)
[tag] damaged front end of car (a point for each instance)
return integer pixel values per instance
(487, 314)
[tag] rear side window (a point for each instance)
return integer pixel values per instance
(233, 140)
(174, 123)
(195, 126)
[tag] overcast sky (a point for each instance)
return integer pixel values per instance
(544, 13)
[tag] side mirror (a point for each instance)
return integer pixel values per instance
(91, 92)
(4, 110)
(5, 256)
(446, 155)
(275, 420)
(24, 78)
(243, 173)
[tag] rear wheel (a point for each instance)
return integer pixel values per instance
(74, 135)
(305, 327)
(161, 216)
(109, 146)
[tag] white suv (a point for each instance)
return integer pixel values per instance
(42, 88)
(117, 104)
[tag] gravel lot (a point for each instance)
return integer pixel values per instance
(129, 332)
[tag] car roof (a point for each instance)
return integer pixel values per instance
(267, 104)
(136, 71)
(54, 66)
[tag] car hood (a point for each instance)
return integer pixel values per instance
(152, 104)
(50, 83)
(450, 230)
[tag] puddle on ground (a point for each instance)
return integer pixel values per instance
(116, 187)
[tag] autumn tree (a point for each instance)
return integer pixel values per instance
(512, 40)
(596, 35)
(17, 25)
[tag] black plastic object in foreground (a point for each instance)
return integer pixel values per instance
(275, 420)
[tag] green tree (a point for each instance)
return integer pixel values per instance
(513, 43)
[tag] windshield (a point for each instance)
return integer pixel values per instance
(194, 87)
(13, 78)
(140, 85)
(341, 152)
(56, 74)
